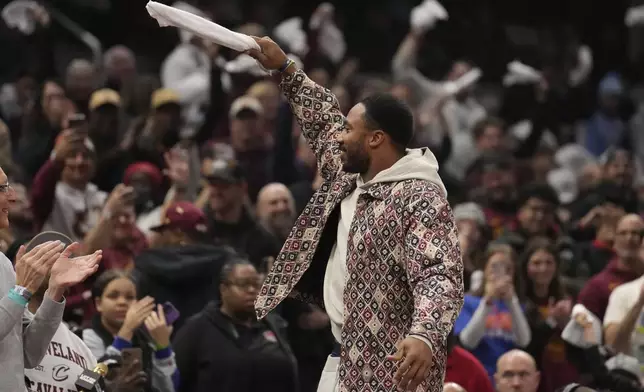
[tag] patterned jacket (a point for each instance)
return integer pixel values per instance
(404, 268)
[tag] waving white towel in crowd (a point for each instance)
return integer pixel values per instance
(170, 16)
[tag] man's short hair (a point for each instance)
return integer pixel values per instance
(538, 191)
(391, 115)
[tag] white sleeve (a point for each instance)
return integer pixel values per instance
(618, 306)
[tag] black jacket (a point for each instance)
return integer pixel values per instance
(246, 236)
(187, 276)
(214, 354)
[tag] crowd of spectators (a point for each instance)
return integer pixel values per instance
(183, 163)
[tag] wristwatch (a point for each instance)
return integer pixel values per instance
(23, 292)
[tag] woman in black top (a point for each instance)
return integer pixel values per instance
(225, 348)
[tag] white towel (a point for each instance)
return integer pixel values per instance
(291, 33)
(245, 64)
(424, 16)
(169, 16)
(16, 15)
(330, 38)
(468, 79)
(573, 333)
(519, 73)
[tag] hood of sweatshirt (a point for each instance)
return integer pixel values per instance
(418, 163)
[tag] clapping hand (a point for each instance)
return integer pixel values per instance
(415, 362)
(32, 267)
(135, 316)
(560, 311)
(68, 271)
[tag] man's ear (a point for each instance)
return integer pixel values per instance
(376, 138)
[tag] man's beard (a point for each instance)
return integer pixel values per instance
(356, 160)
(281, 224)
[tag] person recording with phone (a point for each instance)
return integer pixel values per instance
(117, 236)
(62, 197)
(122, 323)
(492, 321)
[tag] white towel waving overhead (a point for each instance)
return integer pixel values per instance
(468, 79)
(519, 73)
(424, 16)
(170, 16)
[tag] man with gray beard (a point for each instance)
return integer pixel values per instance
(276, 210)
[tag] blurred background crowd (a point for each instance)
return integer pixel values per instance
(182, 162)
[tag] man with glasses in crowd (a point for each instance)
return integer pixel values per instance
(24, 343)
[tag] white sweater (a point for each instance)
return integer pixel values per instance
(66, 358)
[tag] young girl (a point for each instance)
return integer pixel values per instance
(117, 326)
(548, 309)
(492, 320)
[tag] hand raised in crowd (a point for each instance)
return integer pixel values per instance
(560, 311)
(121, 195)
(135, 316)
(505, 288)
(178, 166)
(69, 142)
(68, 271)
(270, 55)
(501, 288)
(415, 362)
(158, 328)
(32, 267)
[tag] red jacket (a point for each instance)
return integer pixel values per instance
(465, 370)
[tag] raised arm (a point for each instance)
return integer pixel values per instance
(315, 107)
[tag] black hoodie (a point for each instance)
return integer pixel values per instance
(214, 353)
(187, 276)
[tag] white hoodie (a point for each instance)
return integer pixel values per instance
(66, 358)
(417, 164)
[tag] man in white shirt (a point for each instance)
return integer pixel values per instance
(623, 321)
(65, 359)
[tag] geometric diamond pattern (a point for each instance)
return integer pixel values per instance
(405, 273)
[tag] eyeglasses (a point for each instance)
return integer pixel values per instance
(509, 375)
(4, 188)
(247, 284)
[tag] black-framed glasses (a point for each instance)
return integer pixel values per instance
(4, 188)
(246, 284)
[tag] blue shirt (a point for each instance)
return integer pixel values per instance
(498, 338)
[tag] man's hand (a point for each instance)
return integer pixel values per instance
(32, 267)
(159, 330)
(271, 56)
(416, 360)
(70, 142)
(178, 166)
(121, 195)
(68, 271)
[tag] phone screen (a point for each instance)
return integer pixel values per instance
(171, 313)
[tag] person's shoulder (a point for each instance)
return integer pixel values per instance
(466, 357)
(422, 193)
(629, 290)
